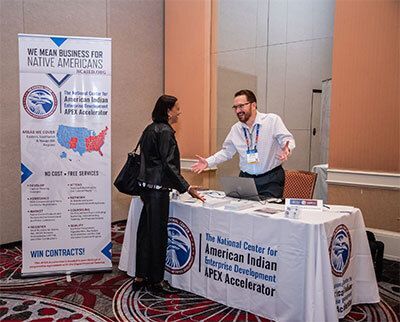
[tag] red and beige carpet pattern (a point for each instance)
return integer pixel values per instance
(107, 296)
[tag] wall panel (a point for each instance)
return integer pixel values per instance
(380, 207)
(11, 23)
(70, 18)
(365, 108)
(188, 71)
(365, 115)
(136, 28)
(137, 31)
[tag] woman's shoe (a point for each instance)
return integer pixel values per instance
(162, 288)
(137, 285)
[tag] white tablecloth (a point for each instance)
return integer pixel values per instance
(310, 269)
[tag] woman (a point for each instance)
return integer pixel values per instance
(159, 172)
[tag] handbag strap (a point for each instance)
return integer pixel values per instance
(137, 145)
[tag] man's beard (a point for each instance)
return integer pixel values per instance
(243, 116)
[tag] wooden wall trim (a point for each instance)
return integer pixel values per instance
(384, 180)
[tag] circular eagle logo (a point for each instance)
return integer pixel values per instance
(40, 101)
(180, 249)
(340, 250)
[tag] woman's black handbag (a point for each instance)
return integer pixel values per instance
(126, 181)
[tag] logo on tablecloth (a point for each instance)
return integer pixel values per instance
(39, 101)
(340, 250)
(180, 249)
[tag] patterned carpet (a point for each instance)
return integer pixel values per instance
(107, 296)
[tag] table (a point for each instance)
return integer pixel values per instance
(310, 269)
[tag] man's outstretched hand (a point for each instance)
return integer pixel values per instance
(284, 155)
(200, 165)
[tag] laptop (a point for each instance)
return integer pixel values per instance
(238, 187)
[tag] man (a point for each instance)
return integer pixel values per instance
(263, 143)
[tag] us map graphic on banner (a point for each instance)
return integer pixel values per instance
(65, 110)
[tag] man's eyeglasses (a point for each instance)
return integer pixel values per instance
(240, 106)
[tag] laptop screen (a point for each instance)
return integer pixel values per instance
(238, 187)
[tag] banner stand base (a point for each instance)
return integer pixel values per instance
(77, 271)
(68, 277)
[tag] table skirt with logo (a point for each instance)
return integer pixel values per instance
(311, 269)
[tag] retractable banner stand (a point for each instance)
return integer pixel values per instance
(65, 109)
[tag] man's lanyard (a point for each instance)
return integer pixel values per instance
(250, 141)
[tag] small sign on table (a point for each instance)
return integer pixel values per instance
(294, 206)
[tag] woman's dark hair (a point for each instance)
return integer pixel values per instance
(163, 105)
(249, 95)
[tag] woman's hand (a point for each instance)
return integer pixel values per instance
(195, 194)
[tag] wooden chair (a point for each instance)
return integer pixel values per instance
(299, 184)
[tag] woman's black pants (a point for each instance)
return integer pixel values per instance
(152, 235)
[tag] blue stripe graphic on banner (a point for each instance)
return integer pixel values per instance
(25, 173)
(58, 40)
(59, 82)
(107, 250)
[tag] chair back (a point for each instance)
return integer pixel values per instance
(299, 184)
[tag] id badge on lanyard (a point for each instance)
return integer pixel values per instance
(252, 154)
